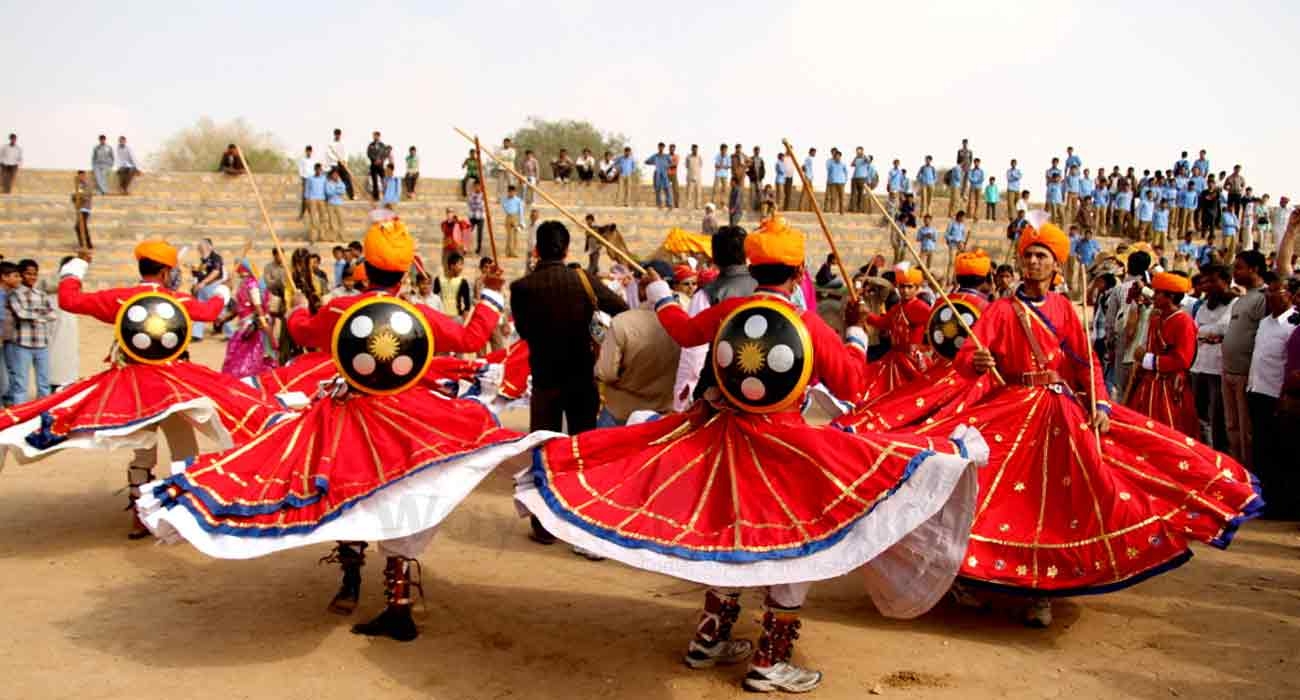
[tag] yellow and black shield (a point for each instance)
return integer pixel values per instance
(763, 356)
(382, 345)
(152, 328)
(945, 333)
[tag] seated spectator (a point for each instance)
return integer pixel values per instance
(562, 167)
(586, 166)
(608, 168)
(231, 163)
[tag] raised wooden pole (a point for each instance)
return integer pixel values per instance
(487, 206)
(826, 230)
(614, 250)
(288, 279)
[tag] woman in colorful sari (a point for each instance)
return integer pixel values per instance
(250, 350)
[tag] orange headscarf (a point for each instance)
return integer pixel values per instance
(775, 242)
(976, 263)
(1050, 236)
(389, 246)
(156, 250)
(1170, 282)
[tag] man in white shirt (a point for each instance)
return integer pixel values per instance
(505, 154)
(694, 165)
(306, 169)
(336, 158)
(1212, 313)
(1278, 218)
(11, 156)
(126, 167)
(1264, 386)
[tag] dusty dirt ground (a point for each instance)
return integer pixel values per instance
(88, 614)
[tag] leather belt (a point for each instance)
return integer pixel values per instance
(1046, 377)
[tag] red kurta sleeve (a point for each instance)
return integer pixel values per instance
(314, 330)
(918, 314)
(450, 336)
(996, 329)
(841, 366)
(689, 331)
(1177, 335)
(98, 305)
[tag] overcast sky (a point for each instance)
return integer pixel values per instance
(1124, 83)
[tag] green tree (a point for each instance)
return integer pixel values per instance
(546, 137)
(199, 148)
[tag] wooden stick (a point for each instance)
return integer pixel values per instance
(289, 287)
(934, 282)
(1092, 369)
(614, 250)
(487, 206)
(826, 231)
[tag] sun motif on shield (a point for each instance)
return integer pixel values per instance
(751, 358)
(384, 345)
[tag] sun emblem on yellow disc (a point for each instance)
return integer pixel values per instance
(750, 358)
(155, 326)
(384, 345)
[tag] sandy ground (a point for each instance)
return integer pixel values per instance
(88, 614)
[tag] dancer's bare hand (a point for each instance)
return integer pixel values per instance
(983, 360)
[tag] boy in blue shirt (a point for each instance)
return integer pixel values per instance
(1013, 190)
(954, 188)
(928, 237)
(513, 206)
(955, 237)
(1160, 223)
(926, 177)
(1056, 200)
(1146, 211)
(1073, 187)
(976, 179)
(1230, 225)
(991, 198)
(313, 193)
(1186, 208)
(335, 189)
(1123, 208)
(392, 187)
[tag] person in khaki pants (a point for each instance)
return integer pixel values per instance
(335, 189)
(1013, 190)
(313, 192)
(694, 164)
(627, 178)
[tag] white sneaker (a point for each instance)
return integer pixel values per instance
(782, 676)
(720, 653)
(1039, 613)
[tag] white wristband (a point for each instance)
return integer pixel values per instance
(75, 267)
(657, 291)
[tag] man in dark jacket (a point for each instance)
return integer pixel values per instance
(552, 307)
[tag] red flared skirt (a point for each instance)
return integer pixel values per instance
(1059, 516)
(108, 408)
(1168, 399)
(353, 457)
(893, 370)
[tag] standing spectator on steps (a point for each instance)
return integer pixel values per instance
(694, 169)
(306, 169)
(379, 154)
(33, 318)
(101, 164)
(336, 161)
(412, 175)
(626, 177)
(11, 157)
(126, 167)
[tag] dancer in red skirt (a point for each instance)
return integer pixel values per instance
(904, 323)
(1164, 389)
(1074, 501)
(739, 491)
(376, 455)
(149, 386)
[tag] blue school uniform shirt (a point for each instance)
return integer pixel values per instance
(781, 174)
(1146, 209)
(1203, 164)
(1199, 181)
(1160, 220)
(1187, 199)
(1051, 172)
(1013, 179)
(896, 180)
(976, 177)
(513, 206)
(1183, 164)
(1123, 200)
(1086, 249)
(1054, 194)
(1170, 194)
(1073, 161)
(954, 177)
(392, 190)
(1073, 184)
(927, 175)
(861, 168)
(334, 191)
(1100, 197)
(1191, 250)
(928, 237)
(1229, 224)
(836, 172)
(1086, 187)
(955, 234)
(809, 165)
(316, 188)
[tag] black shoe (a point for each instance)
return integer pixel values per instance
(394, 622)
(540, 534)
(345, 601)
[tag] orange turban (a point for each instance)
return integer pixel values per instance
(908, 275)
(359, 273)
(1049, 236)
(389, 246)
(681, 273)
(976, 263)
(775, 242)
(1170, 282)
(156, 250)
